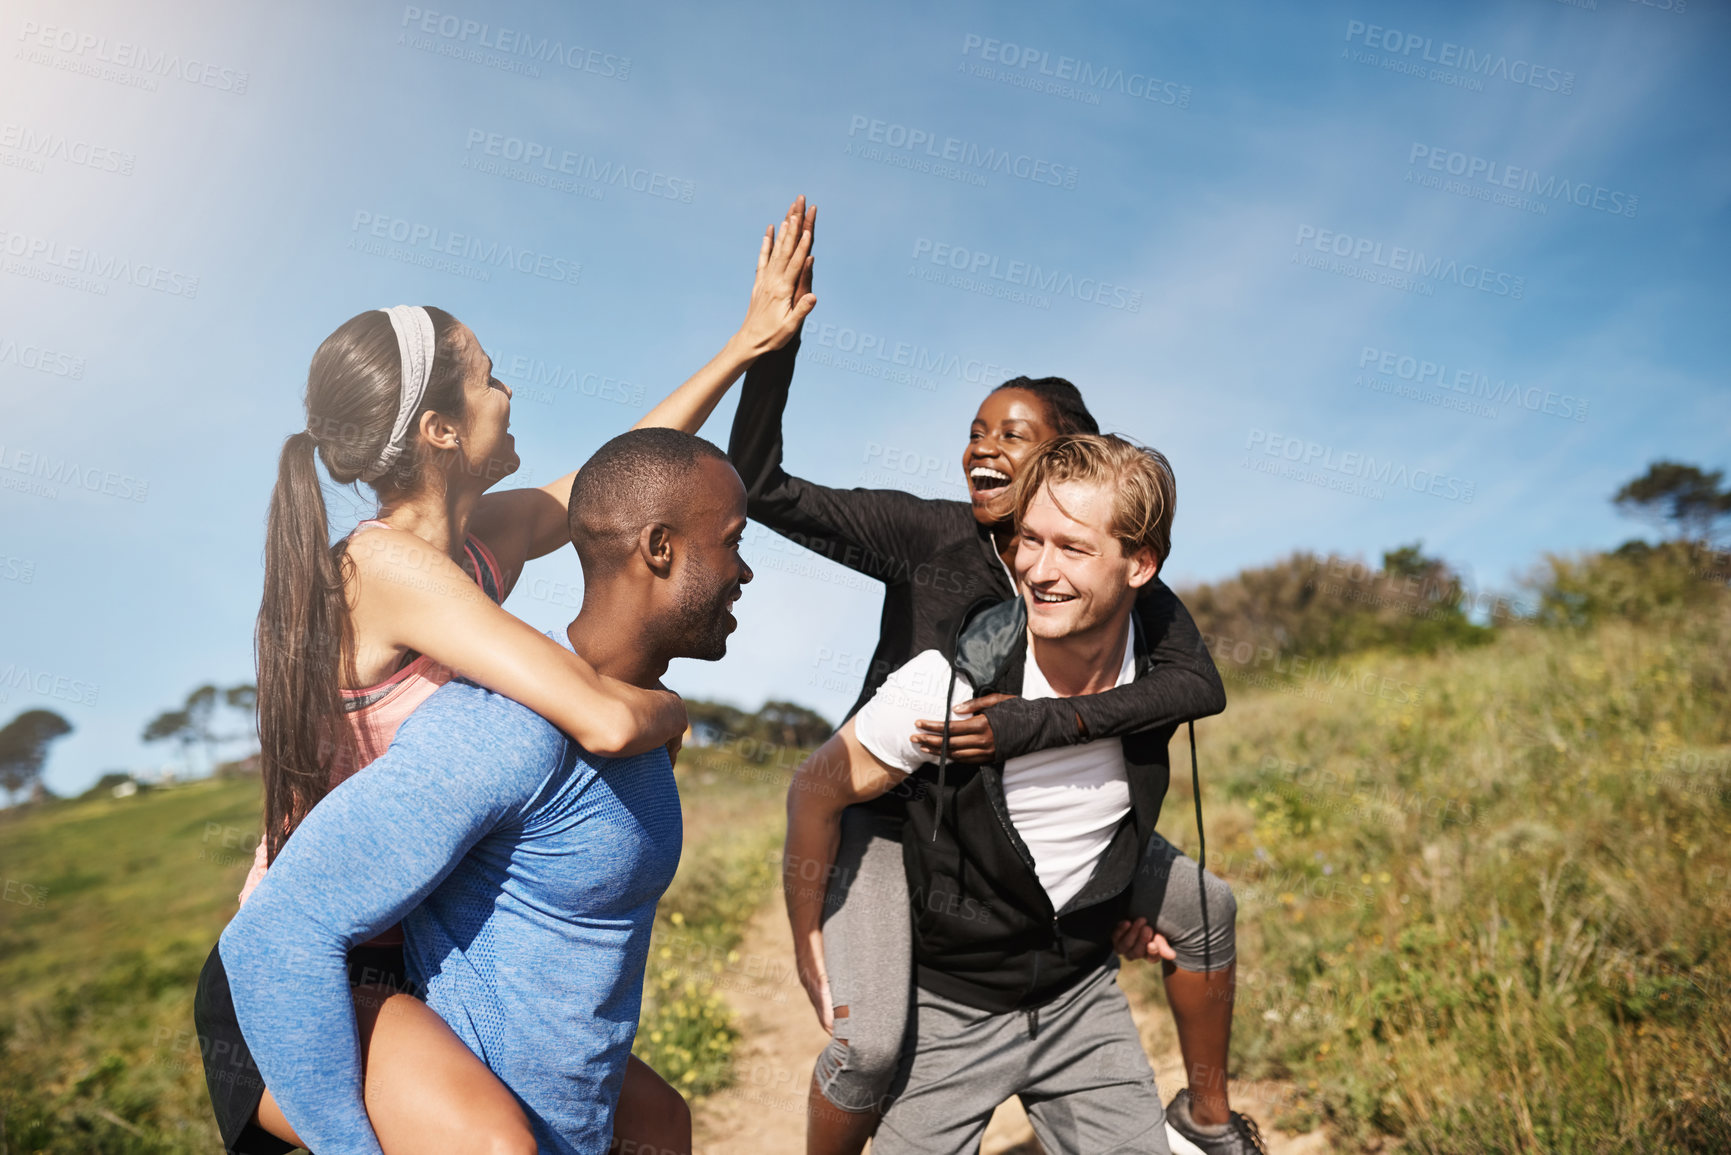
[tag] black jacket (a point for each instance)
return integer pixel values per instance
(985, 932)
(935, 561)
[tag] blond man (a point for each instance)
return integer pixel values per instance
(1019, 880)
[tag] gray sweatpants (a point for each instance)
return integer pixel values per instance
(868, 949)
(1081, 1073)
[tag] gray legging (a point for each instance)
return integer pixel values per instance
(868, 948)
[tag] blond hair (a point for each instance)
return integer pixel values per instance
(1144, 491)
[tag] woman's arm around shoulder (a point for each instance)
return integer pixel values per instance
(1181, 685)
(407, 595)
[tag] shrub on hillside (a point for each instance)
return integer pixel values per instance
(1637, 581)
(1323, 607)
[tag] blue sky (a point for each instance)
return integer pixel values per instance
(1346, 264)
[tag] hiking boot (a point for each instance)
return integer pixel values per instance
(1237, 1136)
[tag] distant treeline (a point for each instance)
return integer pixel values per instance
(776, 732)
(1311, 607)
(1317, 607)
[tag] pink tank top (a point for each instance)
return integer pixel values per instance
(375, 712)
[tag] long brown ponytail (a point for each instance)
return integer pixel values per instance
(305, 639)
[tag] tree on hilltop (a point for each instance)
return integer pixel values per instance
(195, 722)
(1687, 498)
(24, 748)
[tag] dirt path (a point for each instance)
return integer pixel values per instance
(764, 1112)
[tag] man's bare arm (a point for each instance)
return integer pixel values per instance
(838, 774)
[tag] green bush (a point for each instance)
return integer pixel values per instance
(1323, 607)
(1637, 582)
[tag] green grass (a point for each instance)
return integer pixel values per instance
(731, 865)
(96, 1046)
(1494, 917)
(1484, 907)
(111, 906)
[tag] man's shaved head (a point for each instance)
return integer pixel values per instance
(657, 517)
(639, 478)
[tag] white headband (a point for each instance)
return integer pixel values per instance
(415, 345)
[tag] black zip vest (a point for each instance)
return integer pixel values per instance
(985, 933)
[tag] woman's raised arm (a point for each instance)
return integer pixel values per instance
(519, 524)
(780, 299)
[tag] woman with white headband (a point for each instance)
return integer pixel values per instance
(352, 637)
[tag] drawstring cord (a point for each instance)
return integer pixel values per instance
(1201, 852)
(944, 750)
(949, 701)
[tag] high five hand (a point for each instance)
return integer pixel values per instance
(781, 296)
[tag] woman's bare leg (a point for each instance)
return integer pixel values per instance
(829, 1130)
(652, 1117)
(425, 1090)
(1201, 1003)
(269, 1117)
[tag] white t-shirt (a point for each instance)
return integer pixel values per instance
(1065, 802)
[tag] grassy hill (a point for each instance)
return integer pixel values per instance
(111, 906)
(1485, 895)
(1485, 905)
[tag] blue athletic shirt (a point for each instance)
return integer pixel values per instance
(525, 872)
